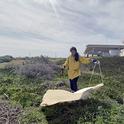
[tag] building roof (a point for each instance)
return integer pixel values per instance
(102, 47)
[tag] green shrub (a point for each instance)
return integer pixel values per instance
(6, 58)
(33, 115)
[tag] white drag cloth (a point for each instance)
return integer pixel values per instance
(52, 97)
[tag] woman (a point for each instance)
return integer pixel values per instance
(72, 63)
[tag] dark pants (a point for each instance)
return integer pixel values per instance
(73, 84)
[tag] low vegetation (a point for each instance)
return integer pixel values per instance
(23, 85)
(6, 58)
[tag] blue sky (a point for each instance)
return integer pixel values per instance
(51, 27)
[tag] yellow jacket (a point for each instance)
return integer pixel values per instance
(74, 66)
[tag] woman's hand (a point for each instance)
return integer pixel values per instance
(95, 61)
(62, 66)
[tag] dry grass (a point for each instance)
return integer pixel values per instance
(13, 62)
(8, 114)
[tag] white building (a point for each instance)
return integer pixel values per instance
(104, 50)
(122, 52)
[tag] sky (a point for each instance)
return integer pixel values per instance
(51, 27)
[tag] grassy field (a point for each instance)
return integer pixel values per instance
(104, 107)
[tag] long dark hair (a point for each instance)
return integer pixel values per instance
(76, 56)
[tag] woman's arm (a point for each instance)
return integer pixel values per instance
(85, 60)
(66, 64)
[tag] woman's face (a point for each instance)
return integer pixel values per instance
(73, 52)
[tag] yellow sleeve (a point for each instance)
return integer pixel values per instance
(85, 60)
(66, 64)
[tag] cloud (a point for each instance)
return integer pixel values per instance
(41, 27)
